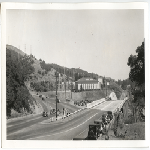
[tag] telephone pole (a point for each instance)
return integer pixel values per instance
(57, 75)
(65, 83)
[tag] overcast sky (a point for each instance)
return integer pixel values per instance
(98, 41)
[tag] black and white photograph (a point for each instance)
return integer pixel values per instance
(75, 74)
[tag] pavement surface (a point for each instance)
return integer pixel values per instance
(41, 128)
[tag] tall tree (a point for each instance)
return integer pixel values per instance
(137, 75)
(137, 66)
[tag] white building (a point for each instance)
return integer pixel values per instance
(88, 83)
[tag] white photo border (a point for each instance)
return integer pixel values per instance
(72, 144)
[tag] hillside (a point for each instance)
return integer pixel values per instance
(45, 72)
(10, 47)
(43, 78)
(18, 69)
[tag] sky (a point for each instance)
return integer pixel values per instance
(98, 41)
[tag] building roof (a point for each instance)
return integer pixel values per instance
(87, 80)
(100, 77)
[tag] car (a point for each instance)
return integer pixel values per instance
(53, 111)
(94, 132)
(45, 114)
(110, 115)
(98, 121)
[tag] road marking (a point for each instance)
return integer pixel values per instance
(52, 122)
(66, 130)
(106, 106)
(20, 131)
(82, 132)
(26, 121)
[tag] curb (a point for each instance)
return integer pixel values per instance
(78, 111)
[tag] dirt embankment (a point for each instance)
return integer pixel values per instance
(36, 109)
(124, 128)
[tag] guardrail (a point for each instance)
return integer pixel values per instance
(120, 106)
(95, 103)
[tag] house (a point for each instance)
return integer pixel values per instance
(100, 79)
(87, 83)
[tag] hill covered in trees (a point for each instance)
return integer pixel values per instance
(18, 69)
(125, 83)
(74, 73)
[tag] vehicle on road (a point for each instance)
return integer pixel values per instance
(94, 132)
(53, 111)
(43, 98)
(45, 114)
(108, 98)
(109, 115)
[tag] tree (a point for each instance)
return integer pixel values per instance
(137, 66)
(18, 69)
(137, 75)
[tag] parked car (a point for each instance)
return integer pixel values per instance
(110, 115)
(53, 111)
(98, 122)
(45, 114)
(94, 132)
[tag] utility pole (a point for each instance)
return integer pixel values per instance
(106, 88)
(56, 74)
(71, 86)
(65, 82)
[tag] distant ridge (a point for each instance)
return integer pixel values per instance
(15, 49)
(41, 66)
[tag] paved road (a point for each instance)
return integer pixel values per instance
(25, 122)
(50, 103)
(40, 128)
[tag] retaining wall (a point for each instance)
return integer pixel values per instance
(118, 117)
(94, 103)
(89, 95)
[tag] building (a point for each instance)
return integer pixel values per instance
(87, 83)
(100, 79)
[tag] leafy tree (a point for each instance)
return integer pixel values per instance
(43, 73)
(137, 66)
(39, 72)
(76, 77)
(137, 75)
(18, 69)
